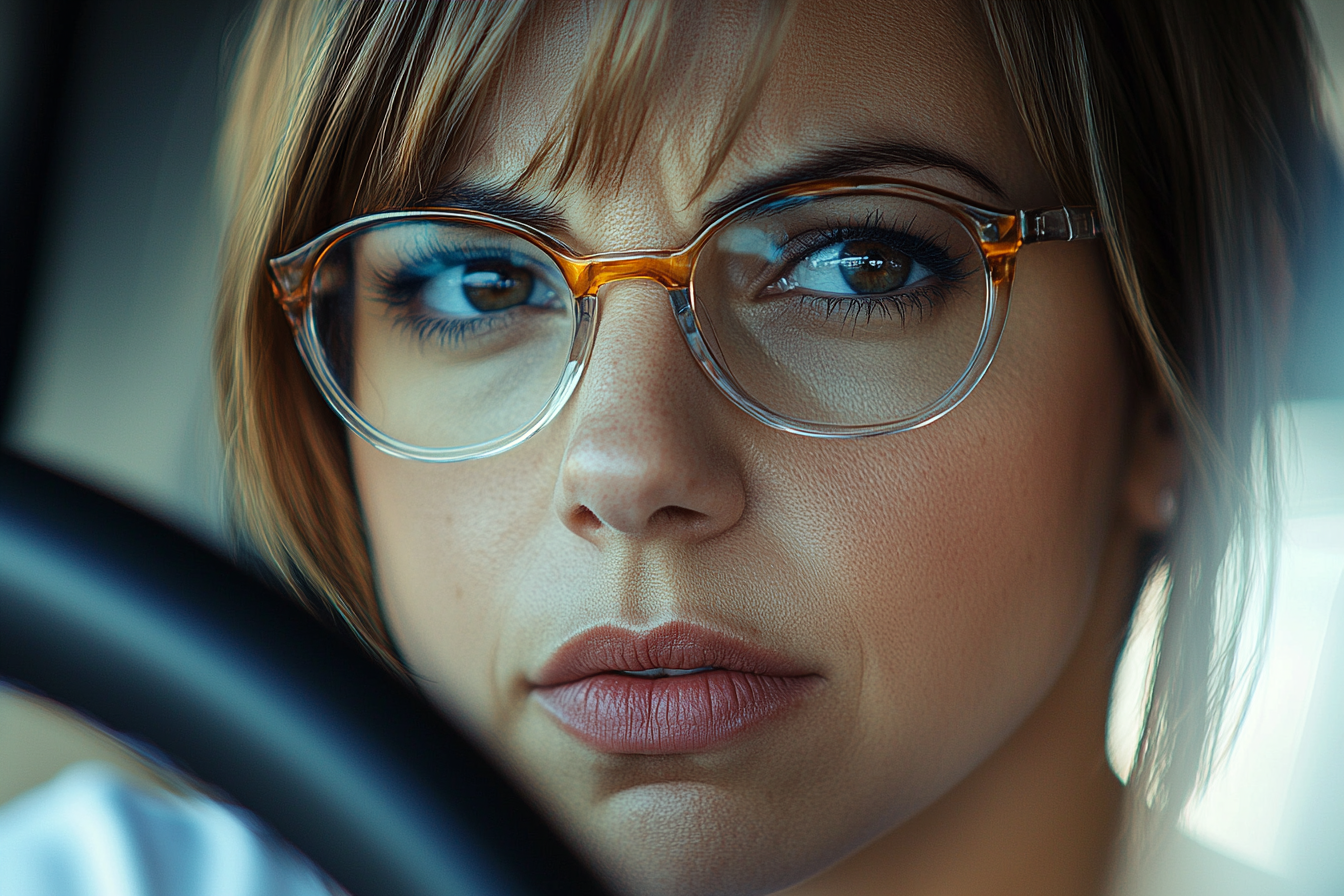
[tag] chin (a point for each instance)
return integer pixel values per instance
(689, 839)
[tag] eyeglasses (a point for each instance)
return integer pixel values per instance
(838, 309)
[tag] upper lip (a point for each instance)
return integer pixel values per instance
(674, 645)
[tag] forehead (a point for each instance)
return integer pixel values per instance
(921, 73)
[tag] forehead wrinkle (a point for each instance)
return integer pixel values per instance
(922, 72)
(639, 215)
(648, 206)
(535, 100)
(909, 158)
(653, 207)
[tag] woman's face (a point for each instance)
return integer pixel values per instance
(882, 614)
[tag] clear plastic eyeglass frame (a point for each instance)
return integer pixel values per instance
(999, 234)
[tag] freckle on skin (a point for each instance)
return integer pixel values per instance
(931, 576)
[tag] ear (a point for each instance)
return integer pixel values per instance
(1152, 486)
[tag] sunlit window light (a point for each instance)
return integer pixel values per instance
(1276, 801)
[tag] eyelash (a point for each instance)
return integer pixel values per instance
(401, 293)
(864, 307)
(922, 249)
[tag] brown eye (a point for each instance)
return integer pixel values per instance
(871, 267)
(494, 285)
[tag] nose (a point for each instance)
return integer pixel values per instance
(647, 455)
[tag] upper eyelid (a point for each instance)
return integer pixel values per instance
(828, 236)
(425, 254)
(394, 280)
(672, 264)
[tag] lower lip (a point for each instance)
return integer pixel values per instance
(616, 713)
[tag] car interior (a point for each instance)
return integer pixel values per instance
(127, 637)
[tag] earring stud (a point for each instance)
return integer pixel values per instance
(1166, 506)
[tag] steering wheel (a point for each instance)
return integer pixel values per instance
(112, 613)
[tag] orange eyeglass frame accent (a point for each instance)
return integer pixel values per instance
(999, 234)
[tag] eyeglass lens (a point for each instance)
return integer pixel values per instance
(443, 335)
(850, 310)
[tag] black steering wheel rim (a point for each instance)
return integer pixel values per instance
(118, 616)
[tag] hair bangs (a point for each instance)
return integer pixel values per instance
(412, 88)
(642, 55)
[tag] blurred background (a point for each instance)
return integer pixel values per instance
(108, 112)
(112, 382)
(117, 101)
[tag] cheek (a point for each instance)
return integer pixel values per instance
(961, 558)
(940, 577)
(447, 540)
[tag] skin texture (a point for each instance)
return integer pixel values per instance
(960, 590)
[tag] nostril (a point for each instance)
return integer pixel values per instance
(583, 520)
(677, 516)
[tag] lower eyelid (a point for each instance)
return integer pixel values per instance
(446, 330)
(918, 300)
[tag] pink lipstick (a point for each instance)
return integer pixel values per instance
(679, 688)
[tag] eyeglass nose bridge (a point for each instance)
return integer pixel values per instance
(586, 276)
(672, 271)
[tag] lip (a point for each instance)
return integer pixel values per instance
(584, 688)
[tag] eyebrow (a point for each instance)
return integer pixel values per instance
(504, 201)
(843, 161)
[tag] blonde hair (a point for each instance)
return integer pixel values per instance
(1194, 131)
(1197, 132)
(337, 109)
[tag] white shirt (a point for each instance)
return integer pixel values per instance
(90, 832)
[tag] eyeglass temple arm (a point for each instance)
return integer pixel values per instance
(1066, 223)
